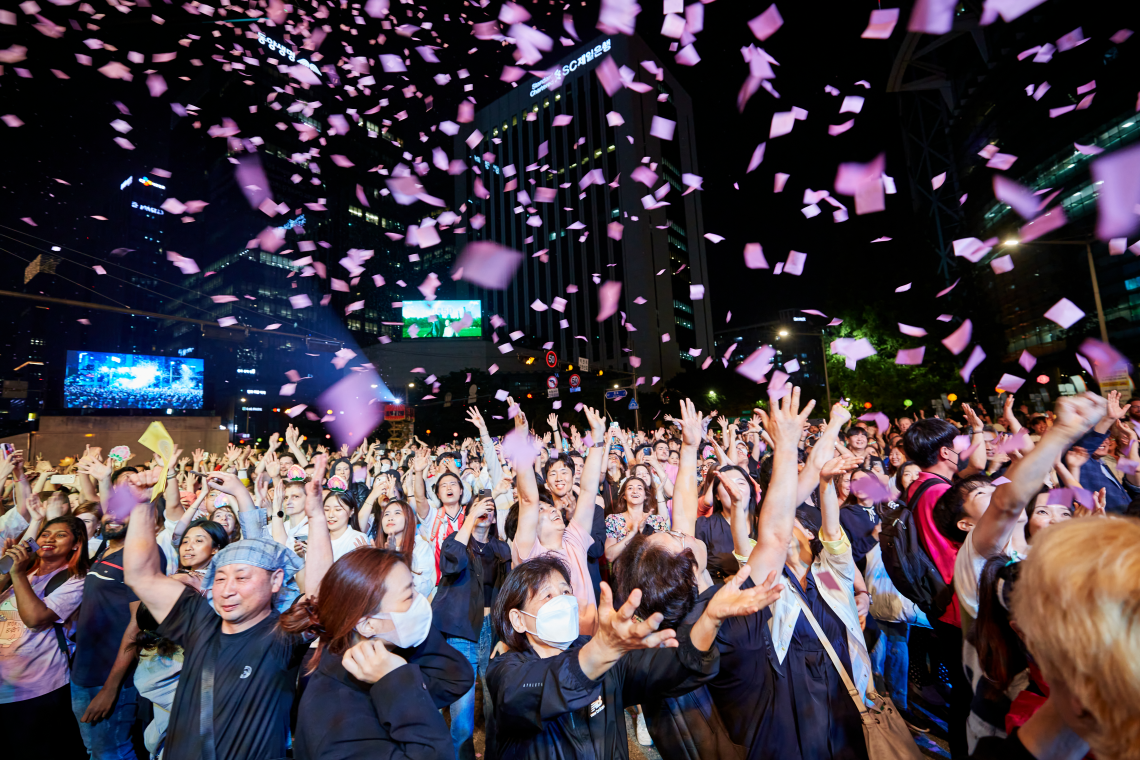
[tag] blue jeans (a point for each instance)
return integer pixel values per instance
(109, 739)
(463, 709)
(891, 659)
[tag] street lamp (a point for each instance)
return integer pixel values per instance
(1087, 243)
(783, 333)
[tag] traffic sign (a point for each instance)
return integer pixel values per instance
(552, 382)
(615, 395)
(575, 381)
(632, 404)
(552, 393)
(584, 363)
(551, 359)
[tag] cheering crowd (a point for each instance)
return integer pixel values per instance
(776, 586)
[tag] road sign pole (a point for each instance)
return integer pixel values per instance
(636, 407)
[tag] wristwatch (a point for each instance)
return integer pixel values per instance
(281, 514)
(599, 445)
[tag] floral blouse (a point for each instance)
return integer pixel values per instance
(616, 527)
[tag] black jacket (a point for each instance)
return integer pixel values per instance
(547, 708)
(457, 609)
(398, 717)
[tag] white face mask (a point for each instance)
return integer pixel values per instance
(385, 466)
(411, 627)
(556, 623)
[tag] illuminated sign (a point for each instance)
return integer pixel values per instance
(126, 182)
(247, 371)
(148, 209)
(287, 52)
(554, 78)
(255, 391)
(251, 409)
(185, 351)
(150, 183)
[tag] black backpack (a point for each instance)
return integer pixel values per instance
(907, 560)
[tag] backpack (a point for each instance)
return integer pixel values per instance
(907, 560)
(57, 580)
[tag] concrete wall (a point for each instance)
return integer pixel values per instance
(60, 437)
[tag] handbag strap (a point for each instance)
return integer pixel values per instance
(832, 654)
(206, 699)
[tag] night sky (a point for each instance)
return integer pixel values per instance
(67, 133)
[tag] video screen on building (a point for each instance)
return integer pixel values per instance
(96, 380)
(443, 319)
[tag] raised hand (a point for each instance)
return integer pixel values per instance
(272, 464)
(731, 601)
(692, 423)
(552, 420)
(619, 633)
(972, 418)
(232, 452)
(597, 423)
(97, 470)
(520, 417)
(1115, 410)
(786, 421)
(422, 459)
(1077, 414)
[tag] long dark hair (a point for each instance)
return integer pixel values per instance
(808, 519)
(521, 584)
(347, 503)
(753, 510)
(214, 530)
(352, 589)
(79, 562)
(408, 540)
(1000, 650)
(619, 505)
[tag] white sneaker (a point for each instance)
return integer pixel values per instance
(643, 737)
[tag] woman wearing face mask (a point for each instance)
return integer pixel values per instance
(558, 694)
(398, 533)
(382, 672)
(473, 563)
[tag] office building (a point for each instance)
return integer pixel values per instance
(532, 185)
(1034, 90)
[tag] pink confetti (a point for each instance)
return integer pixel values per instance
(756, 366)
(662, 128)
(914, 332)
(957, 341)
(838, 129)
(714, 237)
(1002, 264)
(1022, 200)
(608, 295)
(910, 355)
(881, 24)
(1046, 223)
(1065, 313)
(767, 23)
(976, 358)
(795, 263)
(781, 180)
(757, 155)
(1118, 194)
(782, 123)
(932, 16)
(754, 256)
(487, 265)
(300, 301)
(1010, 383)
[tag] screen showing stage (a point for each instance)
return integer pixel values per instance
(132, 381)
(443, 319)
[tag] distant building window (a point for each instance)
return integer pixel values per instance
(354, 211)
(686, 356)
(682, 306)
(354, 324)
(1132, 284)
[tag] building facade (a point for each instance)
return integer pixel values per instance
(567, 196)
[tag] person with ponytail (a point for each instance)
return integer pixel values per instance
(39, 598)
(382, 670)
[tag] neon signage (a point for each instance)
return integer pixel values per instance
(148, 209)
(151, 183)
(554, 78)
(298, 222)
(287, 52)
(126, 182)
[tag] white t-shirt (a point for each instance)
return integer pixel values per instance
(31, 662)
(968, 566)
(348, 542)
(298, 525)
(423, 567)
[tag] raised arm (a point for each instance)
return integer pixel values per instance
(527, 486)
(1075, 415)
(419, 464)
(490, 457)
(292, 440)
(591, 472)
(685, 500)
(977, 462)
(777, 514)
(319, 553)
(142, 570)
(821, 453)
(552, 420)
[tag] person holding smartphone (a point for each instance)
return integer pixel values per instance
(473, 563)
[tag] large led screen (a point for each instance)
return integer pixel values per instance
(98, 380)
(442, 319)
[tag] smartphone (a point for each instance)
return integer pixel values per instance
(8, 448)
(7, 562)
(614, 424)
(485, 494)
(64, 480)
(818, 421)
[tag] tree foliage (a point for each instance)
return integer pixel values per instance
(877, 379)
